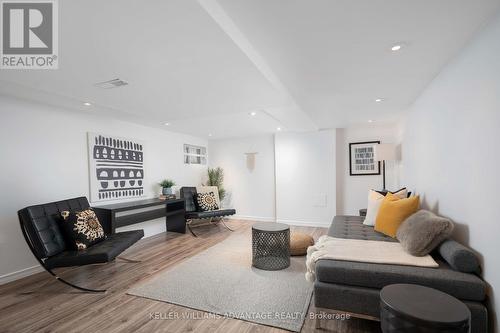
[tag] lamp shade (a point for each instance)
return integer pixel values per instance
(385, 152)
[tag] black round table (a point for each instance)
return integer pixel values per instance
(411, 308)
(270, 246)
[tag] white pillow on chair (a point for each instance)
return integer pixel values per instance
(208, 189)
(374, 202)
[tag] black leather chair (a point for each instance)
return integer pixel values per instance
(40, 228)
(192, 213)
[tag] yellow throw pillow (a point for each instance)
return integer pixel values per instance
(393, 211)
(375, 200)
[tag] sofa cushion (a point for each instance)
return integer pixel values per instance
(459, 257)
(461, 285)
(393, 211)
(384, 192)
(102, 252)
(420, 233)
(351, 299)
(375, 199)
(352, 227)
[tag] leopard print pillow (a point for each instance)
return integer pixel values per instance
(206, 202)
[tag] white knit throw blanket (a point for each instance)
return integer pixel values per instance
(379, 252)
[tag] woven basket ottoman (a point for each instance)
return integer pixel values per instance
(299, 242)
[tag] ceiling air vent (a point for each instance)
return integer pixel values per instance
(115, 83)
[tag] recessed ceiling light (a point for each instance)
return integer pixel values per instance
(378, 100)
(209, 134)
(253, 113)
(167, 124)
(396, 47)
(278, 129)
(87, 104)
(370, 121)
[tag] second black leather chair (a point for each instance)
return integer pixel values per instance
(192, 213)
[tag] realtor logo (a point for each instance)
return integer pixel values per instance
(29, 35)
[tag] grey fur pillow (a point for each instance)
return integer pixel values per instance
(420, 233)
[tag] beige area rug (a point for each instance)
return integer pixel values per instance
(222, 281)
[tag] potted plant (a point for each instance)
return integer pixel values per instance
(166, 186)
(216, 178)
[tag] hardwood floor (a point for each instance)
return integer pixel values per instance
(54, 307)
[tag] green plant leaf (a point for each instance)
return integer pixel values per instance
(167, 183)
(216, 178)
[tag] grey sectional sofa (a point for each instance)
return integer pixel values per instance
(354, 287)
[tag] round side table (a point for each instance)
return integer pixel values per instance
(270, 246)
(410, 308)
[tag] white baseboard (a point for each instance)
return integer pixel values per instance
(20, 274)
(300, 223)
(252, 218)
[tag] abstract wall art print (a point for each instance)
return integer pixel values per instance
(362, 159)
(116, 167)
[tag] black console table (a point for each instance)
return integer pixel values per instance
(173, 211)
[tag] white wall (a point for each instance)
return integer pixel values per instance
(44, 158)
(293, 181)
(352, 191)
(305, 178)
(450, 152)
(250, 192)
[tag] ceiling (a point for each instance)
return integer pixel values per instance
(203, 66)
(335, 56)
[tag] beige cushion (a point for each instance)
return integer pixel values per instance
(374, 201)
(207, 189)
(299, 242)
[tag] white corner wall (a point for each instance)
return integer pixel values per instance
(44, 159)
(305, 178)
(293, 181)
(450, 152)
(250, 192)
(352, 191)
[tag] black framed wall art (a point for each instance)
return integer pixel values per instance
(362, 159)
(116, 167)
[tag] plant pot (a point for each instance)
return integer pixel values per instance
(167, 190)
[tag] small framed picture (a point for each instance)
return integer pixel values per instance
(362, 159)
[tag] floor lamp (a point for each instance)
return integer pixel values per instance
(385, 152)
